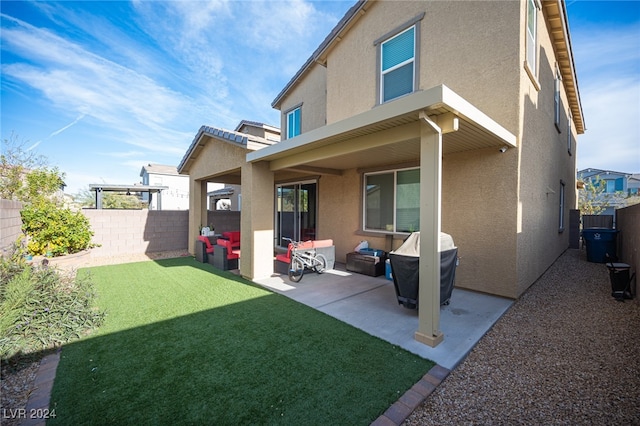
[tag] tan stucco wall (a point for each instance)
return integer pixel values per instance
(478, 211)
(501, 208)
(472, 47)
(311, 92)
(544, 162)
(256, 221)
(215, 159)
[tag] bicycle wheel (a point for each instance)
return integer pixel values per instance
(296, 269)
(320, 263)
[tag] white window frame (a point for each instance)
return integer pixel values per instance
(531, 43)
(290, 133)
(412, 23)
(411, 61)
(569, 139)
(557, 99)
(395, 198)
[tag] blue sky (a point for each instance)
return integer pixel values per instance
(103, 88)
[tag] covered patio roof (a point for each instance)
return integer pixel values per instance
(322, 151)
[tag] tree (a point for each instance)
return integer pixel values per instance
(110, 200)
(51, 227)
(16, 160)
(593, 198)
(114, 200)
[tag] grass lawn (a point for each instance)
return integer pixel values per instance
(185, 344)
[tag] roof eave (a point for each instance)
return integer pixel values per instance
(557, 17)
(437, 97)
(319, 55)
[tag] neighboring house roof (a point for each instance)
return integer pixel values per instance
(244, 140)
(256, 124)
(557, 19)
(602, 173)
(159, 169)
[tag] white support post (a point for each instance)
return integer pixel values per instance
(430, 217)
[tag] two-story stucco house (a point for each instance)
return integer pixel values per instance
(175, 197)
(458, 117)
(617, 186)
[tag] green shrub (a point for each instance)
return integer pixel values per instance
(55, 230)
(42, 308)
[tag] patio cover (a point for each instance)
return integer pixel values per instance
(427, 124)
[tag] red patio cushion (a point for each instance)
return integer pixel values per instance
(207, 242)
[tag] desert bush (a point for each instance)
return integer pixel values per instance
(42, 308)
(55, 230)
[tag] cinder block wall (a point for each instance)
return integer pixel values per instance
(628, 223)
(121, 232)
(10, 224)
(138, 231)
(224, 220)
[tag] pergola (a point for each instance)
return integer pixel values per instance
(151, 189)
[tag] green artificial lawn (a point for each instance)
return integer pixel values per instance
(183, 343)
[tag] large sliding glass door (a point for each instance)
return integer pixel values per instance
(296, 211)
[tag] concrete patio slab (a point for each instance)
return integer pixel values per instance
(370, 304)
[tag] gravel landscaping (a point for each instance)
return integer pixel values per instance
(566, 353)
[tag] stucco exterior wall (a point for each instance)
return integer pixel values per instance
(544, 163)
(311, 93)
(174, 198)
(218, 157)
(472, 47)
(479, 212)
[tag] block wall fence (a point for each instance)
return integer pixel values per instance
(121, 232)
(628, 223)
(10, 224)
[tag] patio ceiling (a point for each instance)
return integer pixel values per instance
(387, 134)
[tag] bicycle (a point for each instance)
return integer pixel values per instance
(304, 258)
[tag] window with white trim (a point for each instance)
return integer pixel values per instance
(569, 141)
(392, 201)
(561, 215)
(532, 36)
(397, 65)
(294, 123)
(556, 98)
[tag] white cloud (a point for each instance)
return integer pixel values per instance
(77, 80)
(608, 67)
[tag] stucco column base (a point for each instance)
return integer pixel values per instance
(429, 340)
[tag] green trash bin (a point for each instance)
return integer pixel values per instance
(600, 242)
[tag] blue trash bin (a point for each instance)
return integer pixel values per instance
(600, 242)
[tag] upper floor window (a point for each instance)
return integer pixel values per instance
(392, 201)
(397, 72)
(293, 123)
(532, 35)
(556, 98)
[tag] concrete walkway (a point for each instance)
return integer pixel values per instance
(370, 304)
